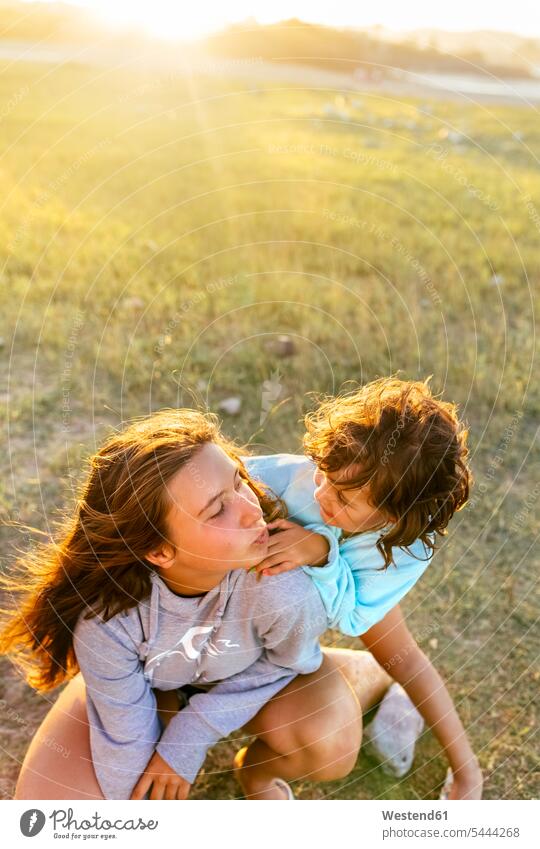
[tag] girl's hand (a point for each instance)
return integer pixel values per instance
(467, 785)
(164, 781)
(291, 547)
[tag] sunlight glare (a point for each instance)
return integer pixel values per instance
(162, 18)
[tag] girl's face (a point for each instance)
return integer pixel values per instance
(215, 521)
(348, 509)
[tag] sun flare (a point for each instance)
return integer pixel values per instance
(162, 18)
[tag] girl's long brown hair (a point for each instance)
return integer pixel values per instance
(98, 560)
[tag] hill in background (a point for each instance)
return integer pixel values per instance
(372, 52)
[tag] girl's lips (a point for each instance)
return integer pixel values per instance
(262, 538)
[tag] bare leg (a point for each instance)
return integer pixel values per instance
(168, 704)
(311, 729)
(58, 763)
(367, 678)
(47, 771)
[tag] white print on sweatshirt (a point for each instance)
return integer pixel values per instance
(188, 650)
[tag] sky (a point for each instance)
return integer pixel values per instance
(176, 18)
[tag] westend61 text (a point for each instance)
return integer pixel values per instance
(415, 815)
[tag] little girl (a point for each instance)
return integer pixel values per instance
(387, 471)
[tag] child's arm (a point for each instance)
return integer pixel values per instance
(395, 649)
(356, 590)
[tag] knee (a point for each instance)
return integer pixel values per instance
(334, 755)
(331, 742)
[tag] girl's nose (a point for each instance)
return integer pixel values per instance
(321, 486)
(251, 512)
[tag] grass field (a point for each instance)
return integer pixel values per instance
(159, 232)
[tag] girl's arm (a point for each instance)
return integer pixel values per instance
(122, 715)
(393, 646)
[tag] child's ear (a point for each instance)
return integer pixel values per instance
(162, 556)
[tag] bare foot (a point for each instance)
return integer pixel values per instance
(255, 788)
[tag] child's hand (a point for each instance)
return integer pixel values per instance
(291, 547)
(467, 785)
(164, 781)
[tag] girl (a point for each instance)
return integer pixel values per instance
(148, 590)
(388, 470)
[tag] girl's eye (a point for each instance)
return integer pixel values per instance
(341, 499)
(237, 484)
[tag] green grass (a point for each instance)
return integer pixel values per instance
(158, 231)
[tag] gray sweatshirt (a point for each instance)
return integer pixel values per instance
(251, 637)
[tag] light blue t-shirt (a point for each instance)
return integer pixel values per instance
(355, 591)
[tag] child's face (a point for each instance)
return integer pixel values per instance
(348, 509)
